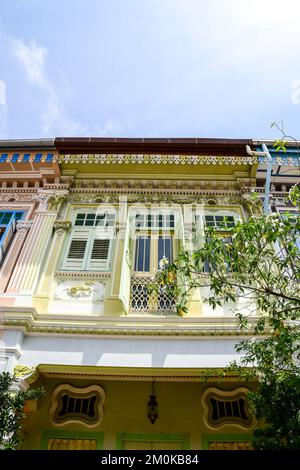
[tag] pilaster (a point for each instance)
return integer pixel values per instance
(118, 299)
(61, 228)
(22, 227)
(27, 269)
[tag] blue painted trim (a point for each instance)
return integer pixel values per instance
(15, 157)
(26, 158)
(37, 158)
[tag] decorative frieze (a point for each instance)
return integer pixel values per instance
(88, 290)
(176, 197)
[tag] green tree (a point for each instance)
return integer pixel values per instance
(12, 411)
(256, 262)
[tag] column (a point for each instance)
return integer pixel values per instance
(195, 302)
(23, 227)
(27, 269)
(118, 301)
(61, 228)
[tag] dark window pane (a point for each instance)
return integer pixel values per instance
(222, 412)
(228, 408)
(6, 218)
(160, 249)
(242, 409)
(18, 215)
(91, 408)
(165, 248)
(141, 254)
(77, 405)
(235, 408)
(147, 254)
(215, 414)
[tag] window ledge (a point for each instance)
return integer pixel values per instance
(82, 274)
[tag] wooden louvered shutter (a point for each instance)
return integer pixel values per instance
(99, 255)
(75, 258)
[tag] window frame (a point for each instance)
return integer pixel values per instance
(77, 392)
(90, 233)
(153, 249)
(240, 392)
(6, 236)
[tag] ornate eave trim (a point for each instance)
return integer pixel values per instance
(164, 374)
(154, 159)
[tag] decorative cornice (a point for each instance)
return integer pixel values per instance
(155, 159)
(136, 373)
(178, 327)
(130, 331)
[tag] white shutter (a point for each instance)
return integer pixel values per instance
(100, 248)
(76, 250)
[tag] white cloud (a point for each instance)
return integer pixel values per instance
(55, 119)
(32, 58)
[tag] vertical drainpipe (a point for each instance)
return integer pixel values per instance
(264, 153)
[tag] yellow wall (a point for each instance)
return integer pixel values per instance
(125, 411)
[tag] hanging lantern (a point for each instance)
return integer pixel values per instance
(152, 405)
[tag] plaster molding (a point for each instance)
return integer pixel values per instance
(23, 371)
(176, 197)
(77, 392)
(50, 199)
(61, 227)
(223, 394)
(23, 226)
(80, 290)
(82, 275)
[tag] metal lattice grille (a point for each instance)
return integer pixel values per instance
(143, 301)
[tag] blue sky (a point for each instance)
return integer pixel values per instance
(149, 68)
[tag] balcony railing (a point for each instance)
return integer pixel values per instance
(144, 301)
